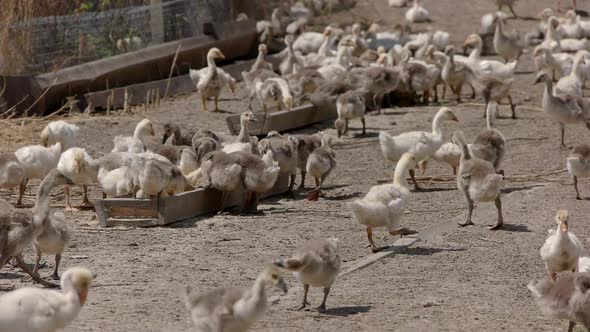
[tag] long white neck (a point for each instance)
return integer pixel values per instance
(476, 52)
(259, 60)
(576, 67)
(401, 169)
(551, 33)
(72, 304)
(325, 46)
(211, 64)
(499, 27)
(340, 56)
(437, 124)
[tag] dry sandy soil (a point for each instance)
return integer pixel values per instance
(454, 279)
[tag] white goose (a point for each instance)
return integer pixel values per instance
(337, 71)
(421, 144)
(570, 87)
(42, 310)
(384, 205)
(486, 67)
(210, 80)
(418, 13)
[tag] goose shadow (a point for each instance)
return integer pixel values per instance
(397, 112)
(432, 190)
(516, 228)
(524, 18)
(10, 275)
(525, 188)
(220, 111)
(425, 251)
(342, 197)
(347, 311)
(366, 135)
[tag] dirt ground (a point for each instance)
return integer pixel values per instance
(454, 279)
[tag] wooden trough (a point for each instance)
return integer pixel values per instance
(282, 121)
(159, 212)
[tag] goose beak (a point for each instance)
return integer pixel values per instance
(252, 118)
(454, 118)
(221, 56)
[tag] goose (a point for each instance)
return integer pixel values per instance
(417, 14)
(142, 135)
(37, 162)
(571, 28)
(507, 3)
(384, 205)
(242, 141)
(481, 67)
(315, 263)
(12, 173)
(386, 39)
(324, 52)
(291, 63)
(188, 161)
(274, 90)
(178, 137)
(260, 62)
(21, 226)
(41, 310)
(584, 264)
(478, 181)
(274, 24)
(422, 76)
(52, 241)
(296, 27)
(564, 112)
(419, 143)
(284, 151)
(350, 105)
(202, 146)
(566, 298)
(320, 164)
(575, 45)
(382, 81)
(337, 71)
(449, 153)
(231, 309)
(570, 87)
(455, 74)
(60, 131)
(487, 25)
(561, 249)
(359, 43)
(221, 171)
(150, 176)
(202, 133)
(507, 47)
(578, 164)
(490, 145)
(77, 165)
(555, 63)
(306, 144)
(258, 175)
(211, 80)
(552, 40)
(113, 182)
(494, 89)
(397, 3)
(310, 42)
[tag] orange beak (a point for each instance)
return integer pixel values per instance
(83, 295)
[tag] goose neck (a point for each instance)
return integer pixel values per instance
(399, 174)
(437, 124)
(211, 63)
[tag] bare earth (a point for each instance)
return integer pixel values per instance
(455, 279)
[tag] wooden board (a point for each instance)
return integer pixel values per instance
(178, 85)
(282, 121)
(158, 212)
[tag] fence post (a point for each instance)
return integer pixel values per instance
(157, 21)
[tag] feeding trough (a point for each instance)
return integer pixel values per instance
(166, 210)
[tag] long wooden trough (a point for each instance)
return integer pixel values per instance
(282, 121)
(159, 212)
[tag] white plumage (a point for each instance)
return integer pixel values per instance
(42, 310)
(37, 160)
(562, 249)
(62, 132)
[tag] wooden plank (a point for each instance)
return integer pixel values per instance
(171, 209)
(282, 121)
(148, 222)
(178, 85)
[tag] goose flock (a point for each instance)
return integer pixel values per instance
(358, 69)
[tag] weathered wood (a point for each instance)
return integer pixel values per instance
(166, 210)
(282, 121)
(178, 85)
